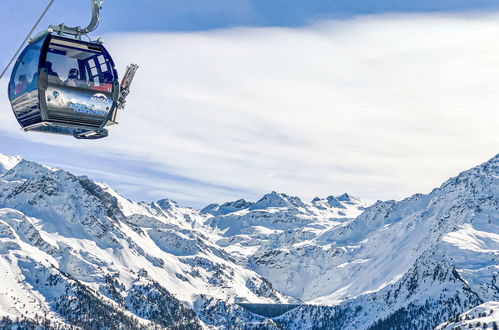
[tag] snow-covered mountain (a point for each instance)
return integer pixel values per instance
(279, 235)
(61, 234)
(67, 243)
(413, 263)
(324, 262)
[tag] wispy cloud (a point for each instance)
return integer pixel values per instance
(380, 106)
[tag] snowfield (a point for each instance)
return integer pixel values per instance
(71, 247)
(484, 316)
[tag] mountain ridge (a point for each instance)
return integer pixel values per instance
(435, 252)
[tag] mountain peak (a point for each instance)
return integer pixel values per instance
(209, 209)
(334, 202)
(339, 202)
(23, 169)
(487, 171)
(349, 199)
(228, 207)
(8, 162)
(275, 199)
(344, 198)
(166, 204)
(240, 204)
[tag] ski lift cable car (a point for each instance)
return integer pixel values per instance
(64, 85)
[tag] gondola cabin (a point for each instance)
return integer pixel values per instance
(65, 86)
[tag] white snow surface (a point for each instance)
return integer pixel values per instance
(484, 314)
(52, 218)
(325, 258)
(331, 251)
(279, 235)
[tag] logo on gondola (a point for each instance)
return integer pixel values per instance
(99, 97)
(82, 108)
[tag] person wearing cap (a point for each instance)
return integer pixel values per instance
(72, 78)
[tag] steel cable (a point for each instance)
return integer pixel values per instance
(27, 38)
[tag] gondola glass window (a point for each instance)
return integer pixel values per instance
(25, 77)
(72, 66)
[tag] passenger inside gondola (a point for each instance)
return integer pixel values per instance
(51, 72)
(22, 85)
(72, 78)
(106, 82)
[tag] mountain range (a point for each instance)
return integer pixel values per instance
(74, 252)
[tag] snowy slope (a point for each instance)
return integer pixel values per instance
(414, 263)
(484, 316)
(431, 291)
(457, 220)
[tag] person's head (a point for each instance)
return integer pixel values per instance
(23, 79)
(73, 74)
(48, 66)
(107, 77)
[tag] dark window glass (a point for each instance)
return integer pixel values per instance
(25, 74)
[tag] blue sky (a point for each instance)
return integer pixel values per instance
(273, 95)
(195, 15)
(198, 15)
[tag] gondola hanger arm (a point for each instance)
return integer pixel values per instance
(77, 31)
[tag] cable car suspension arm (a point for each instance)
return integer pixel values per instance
(77, 31)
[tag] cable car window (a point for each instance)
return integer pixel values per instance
(25, 77)
(76, 65)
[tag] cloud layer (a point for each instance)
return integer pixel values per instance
(380, 106)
